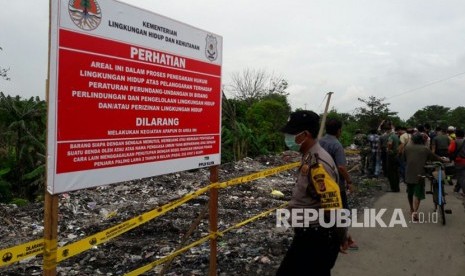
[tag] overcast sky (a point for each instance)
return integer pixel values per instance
(411, 52)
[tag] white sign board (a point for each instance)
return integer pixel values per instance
(132, 94)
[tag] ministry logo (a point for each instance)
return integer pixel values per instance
(211, 48)
(85, 14)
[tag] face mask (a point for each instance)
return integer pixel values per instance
(289, 139)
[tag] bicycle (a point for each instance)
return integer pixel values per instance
(436, 174)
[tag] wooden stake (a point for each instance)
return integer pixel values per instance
(184, 239)
(51, 201)
(213, 219)
(50, 234)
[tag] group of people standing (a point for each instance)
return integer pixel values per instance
(396, 153)
(400, 154)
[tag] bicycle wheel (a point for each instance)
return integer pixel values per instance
(442, 212)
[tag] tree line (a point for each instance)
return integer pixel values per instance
(256, 108)
(22, 147)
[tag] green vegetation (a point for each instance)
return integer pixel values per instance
(252, 119)
(22, 147)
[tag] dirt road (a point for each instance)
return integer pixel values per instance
(426, 248)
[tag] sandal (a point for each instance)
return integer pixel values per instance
(352, 244)
(414, 216)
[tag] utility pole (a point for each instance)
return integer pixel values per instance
(323, 120)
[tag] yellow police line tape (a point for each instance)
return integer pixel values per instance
(151, 265)
(20, 252)
(33, 248)
(256, 175)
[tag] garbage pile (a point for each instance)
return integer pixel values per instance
(254, 249)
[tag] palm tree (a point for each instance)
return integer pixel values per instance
(23, 138)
